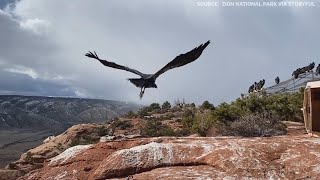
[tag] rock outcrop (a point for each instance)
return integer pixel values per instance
(53, 146)
(282, 157)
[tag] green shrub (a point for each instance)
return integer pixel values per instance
(156, 111)
(188, 119)
(197, 122)
(29, 157)
(155, 128)
(126, 126)
(170, 116)
(74, 142)
(12, 165)
(228, 112)
(207, 105)
(166, 105)
(176, 108)
(84, 140)
(258, 114)
(60, 147)
(285, 106)
(202, 123)
(131, 115)
(183, 132)
(87, 139)
(243, 115)
(143, 112)
(102, 131)
(154, 106)
(255, 125)
(123, 124)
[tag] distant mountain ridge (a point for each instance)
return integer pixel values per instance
(56, 114)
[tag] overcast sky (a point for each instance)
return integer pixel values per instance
(43, 43)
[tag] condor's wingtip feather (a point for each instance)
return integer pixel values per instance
(92, 55)
(206, 44)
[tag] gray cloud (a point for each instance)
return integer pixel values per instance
(50, 38)
(7, 3)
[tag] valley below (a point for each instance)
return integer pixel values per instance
(25, 121)
(15, 142)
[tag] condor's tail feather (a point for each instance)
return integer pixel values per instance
(143, 83)
(138, 82)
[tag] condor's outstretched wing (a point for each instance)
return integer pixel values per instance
(183, 59)
(112, 64)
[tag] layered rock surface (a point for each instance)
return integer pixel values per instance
(283, 157)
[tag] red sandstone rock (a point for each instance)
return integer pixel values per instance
(50, 148)
(283, 157)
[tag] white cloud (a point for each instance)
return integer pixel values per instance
(23, 70)
(36, 25)
(18, 69)
(80, 94)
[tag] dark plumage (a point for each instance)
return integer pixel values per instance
(255, 87)
(277, 80)
(148, 80)
(251, 88)
(299, 71)
(318, 70)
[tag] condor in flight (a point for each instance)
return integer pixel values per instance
(148, 80)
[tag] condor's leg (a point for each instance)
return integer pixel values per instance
(142, 92)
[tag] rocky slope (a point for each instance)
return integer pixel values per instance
(55, 113)
(293, 156)
(25, 121)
